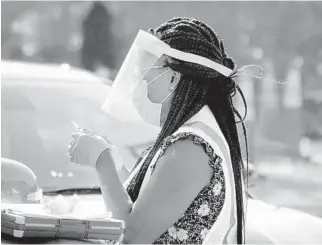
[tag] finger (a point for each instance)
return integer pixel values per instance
(78, 159)
(87, 159)
(70, 152)
(74, 156)
(72, 143)
(75, 135)
(71, 148)
(76, 142)
(84, 158)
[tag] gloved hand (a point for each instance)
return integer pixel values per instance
(86, 147)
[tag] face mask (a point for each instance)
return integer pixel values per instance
(149, 111)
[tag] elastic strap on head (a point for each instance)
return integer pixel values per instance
(157, 47)
(245, 71)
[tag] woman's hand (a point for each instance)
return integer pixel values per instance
(88, 149)
(85, 148)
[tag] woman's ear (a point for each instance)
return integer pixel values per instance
(175, 79)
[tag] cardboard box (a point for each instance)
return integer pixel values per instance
(20, 224)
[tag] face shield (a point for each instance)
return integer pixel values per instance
(143, 55)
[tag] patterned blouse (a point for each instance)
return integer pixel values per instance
(194, 224)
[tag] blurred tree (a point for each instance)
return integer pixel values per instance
(41, 31)
(280, 35)
(253, 31)
(98, 38)
(10, 43)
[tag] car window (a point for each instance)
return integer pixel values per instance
(36, 129)
(15, 106)
(15, 100)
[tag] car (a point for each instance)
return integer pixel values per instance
(38, 104)
(39, 101)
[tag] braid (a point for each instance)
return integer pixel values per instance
(199, 86)
(194, 44)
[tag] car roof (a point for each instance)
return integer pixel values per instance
(17, 70)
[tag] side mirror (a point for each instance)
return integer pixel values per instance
(19, 184)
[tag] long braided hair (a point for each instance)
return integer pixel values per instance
(199, 86)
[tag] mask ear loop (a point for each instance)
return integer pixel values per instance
(242, 71)
(158, 76)
(146, 69)
(156, 79)
(168, 95)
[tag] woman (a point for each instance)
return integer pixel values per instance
(188, 186)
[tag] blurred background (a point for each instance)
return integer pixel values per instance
(284, 113)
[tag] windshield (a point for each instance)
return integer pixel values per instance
(36, 129)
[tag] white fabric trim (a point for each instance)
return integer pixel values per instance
(225, 227)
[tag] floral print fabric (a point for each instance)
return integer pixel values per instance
(194, 224)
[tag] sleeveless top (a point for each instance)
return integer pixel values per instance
(211, 218)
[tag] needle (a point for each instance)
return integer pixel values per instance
(76, 125)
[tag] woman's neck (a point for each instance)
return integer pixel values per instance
(165, 111)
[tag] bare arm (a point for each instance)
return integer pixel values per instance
(176, 181)
(115, 197)
(124, 173)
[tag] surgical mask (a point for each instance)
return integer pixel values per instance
(149, 111)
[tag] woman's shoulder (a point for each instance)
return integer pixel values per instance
(190, 143)
(188, 151)
(186, 156)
